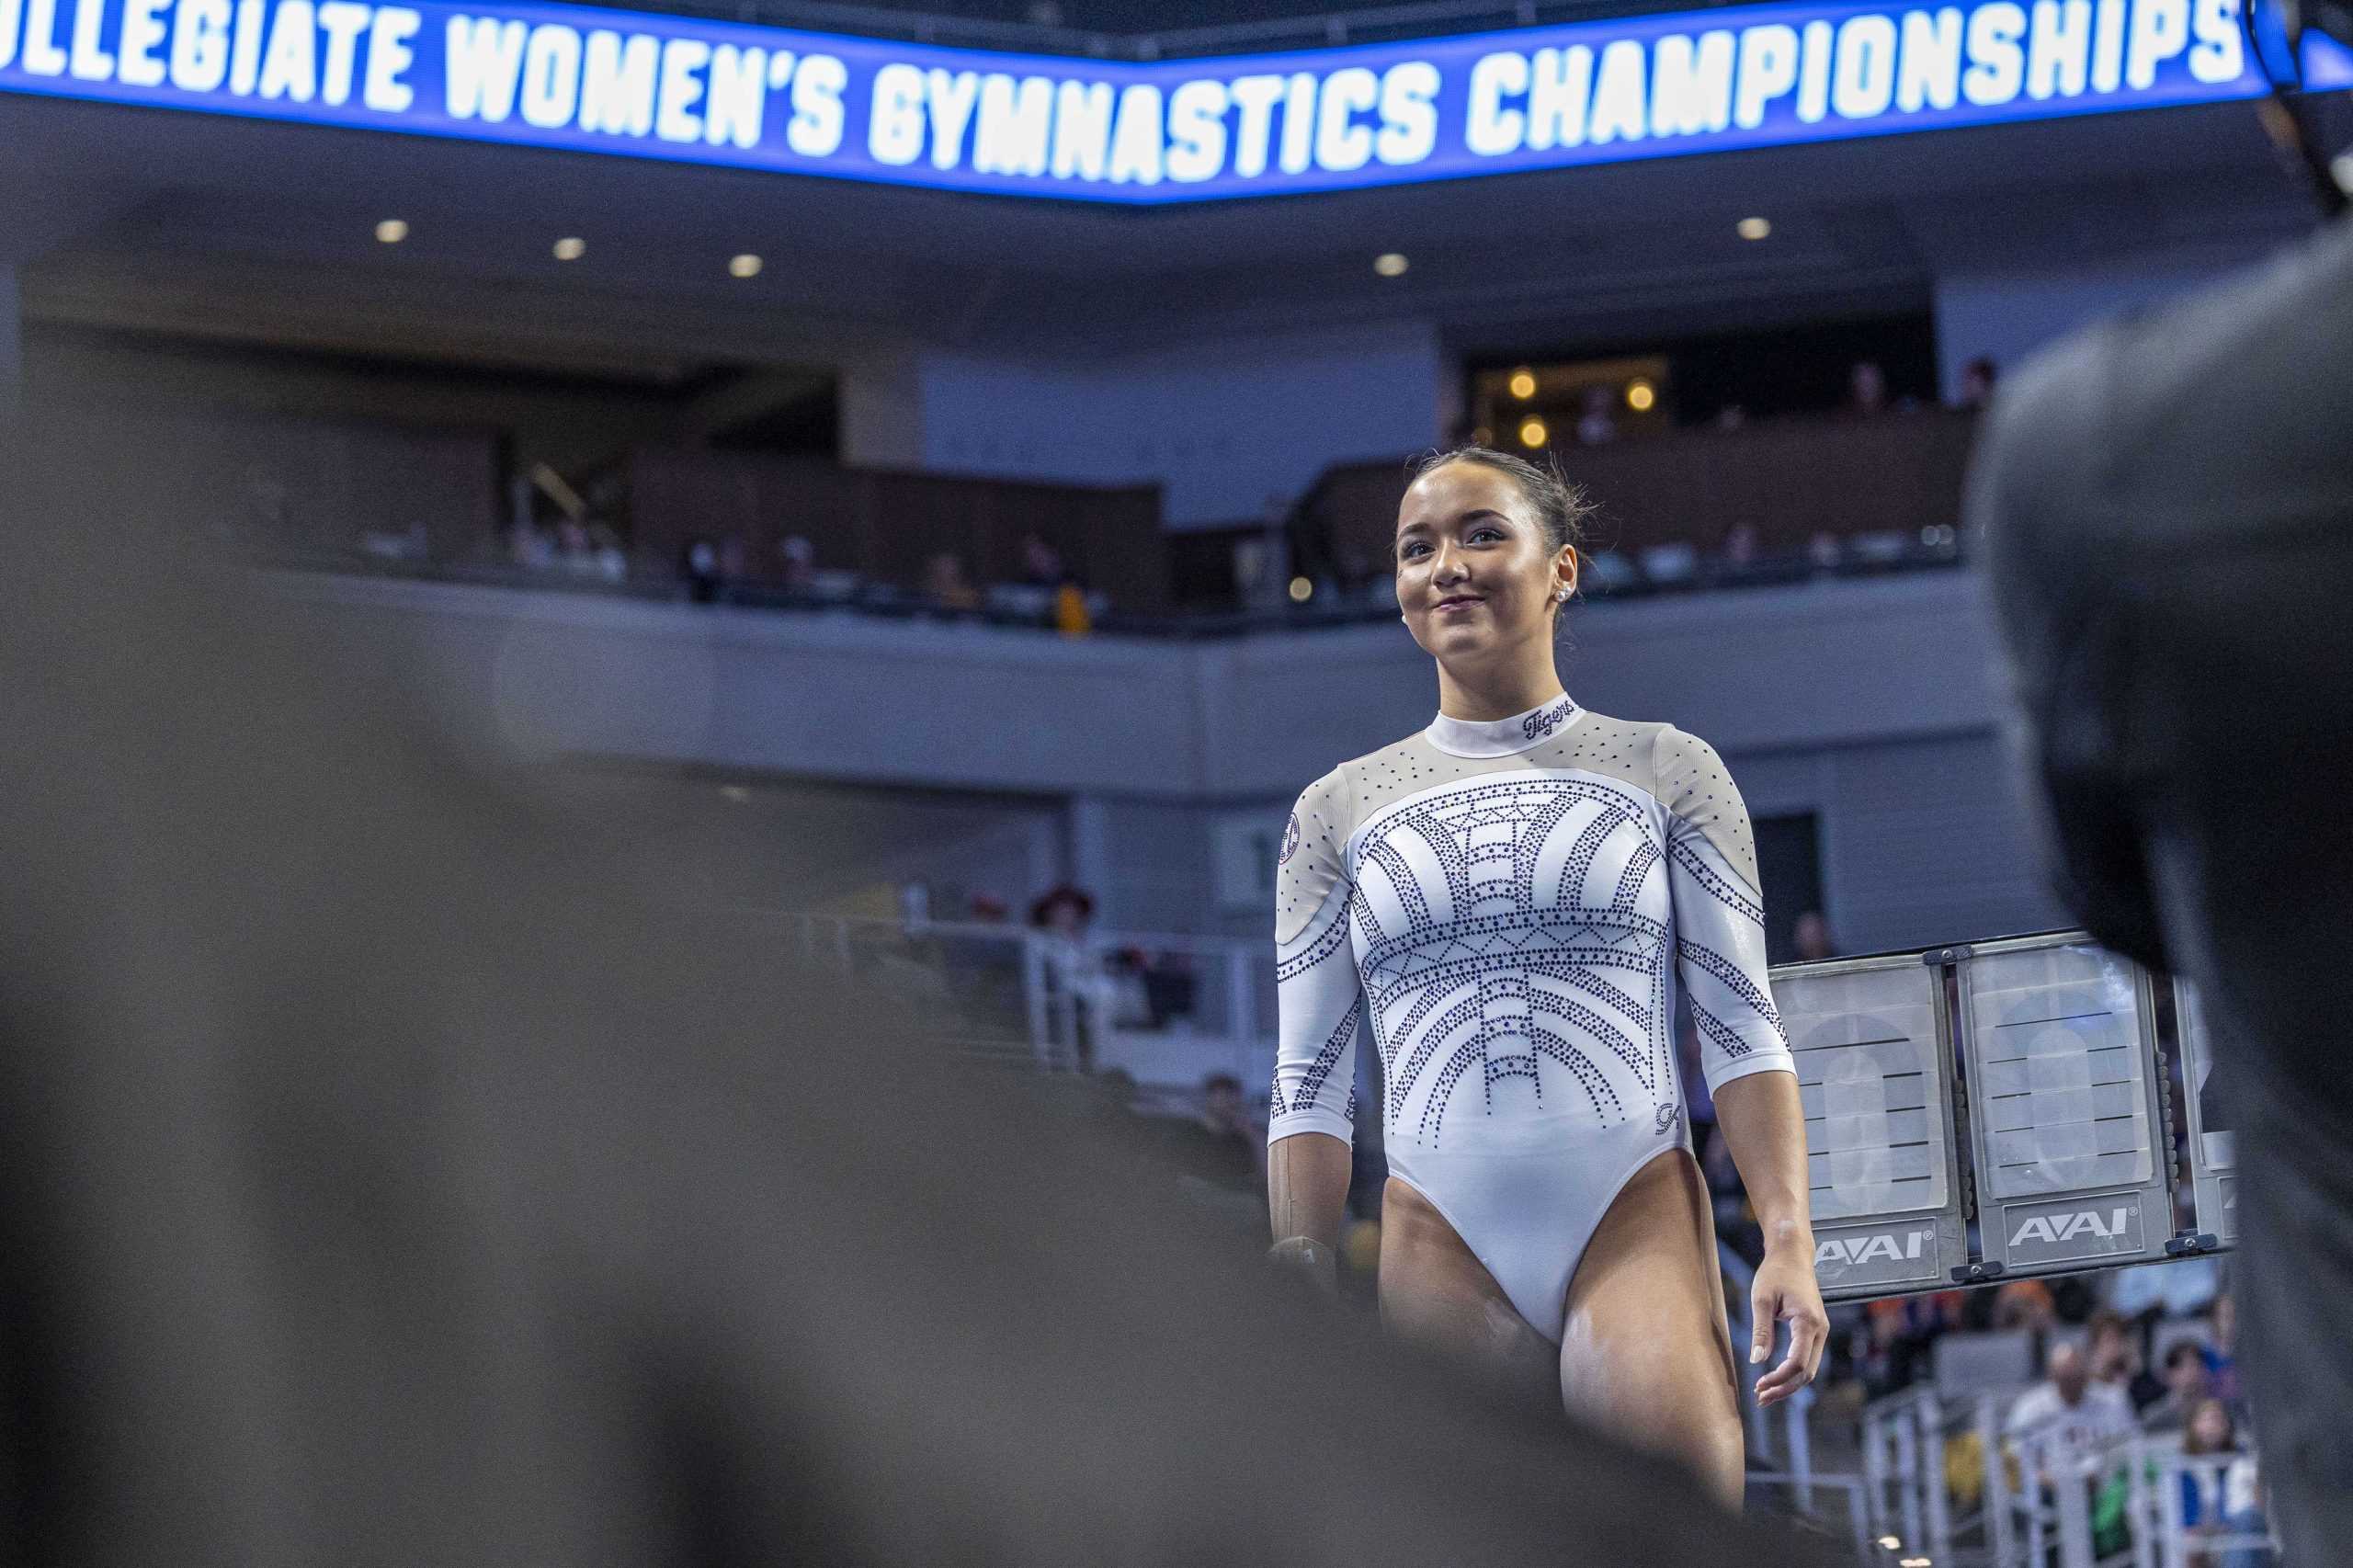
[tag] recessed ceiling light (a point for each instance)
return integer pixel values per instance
(745, 265)
(1302, 590)
(391, 230)
(1754, 228)
(1640, 395)
(570, 248)
(1523, 384)
(1532, 432)
(1390, 264)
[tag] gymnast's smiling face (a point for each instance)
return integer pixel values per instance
(1478, 579)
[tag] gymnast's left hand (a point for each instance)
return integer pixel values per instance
(1785, 1293)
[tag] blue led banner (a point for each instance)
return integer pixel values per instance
(694, 91)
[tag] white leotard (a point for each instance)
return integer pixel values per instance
(1506, 909)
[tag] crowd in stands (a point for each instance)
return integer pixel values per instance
(562, 536)
(719, 570)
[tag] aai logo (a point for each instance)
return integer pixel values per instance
(2083, 1223)
(1879, 1246)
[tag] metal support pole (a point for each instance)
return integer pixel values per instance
(1908, 1475)
(2001, 1538)
(2141, 1508)
(1932, 1479)
(1875, 1470)
(2075, 1517)
(2175, 1528)
(1801, 1447)
(1033, 993)
(1242, 1000)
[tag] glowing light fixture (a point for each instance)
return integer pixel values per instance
(1523, 384)
(1889, 1542)
(1639, 396)
(570, 248)
(1302, 590)
(391, 230)
(745, 265)
(1754, 228)
(1390, 264)
(1532, 432)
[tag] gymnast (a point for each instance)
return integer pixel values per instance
(1507, 905)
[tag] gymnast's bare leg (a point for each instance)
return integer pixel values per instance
(1645, 1353)
(1642, 1305)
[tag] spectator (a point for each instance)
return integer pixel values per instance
(1599, 422)
(1072, 617)
(700, 568)
(1866, 389)
(528, 547)
(2115, 1359)
(1812, 938)
(1977, 379)
(1222, 1147)
(2221, 1496)
(2025, 1303)
(2220, 1352)
(2186, 1385)
(1168, 987)
(612, 561)
(946, 585)
(1041, 564)
(2066, 1418)
(1063, 912)
(1742, 545)
(796, 561)
(577, 553)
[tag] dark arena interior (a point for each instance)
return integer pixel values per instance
(707, 858)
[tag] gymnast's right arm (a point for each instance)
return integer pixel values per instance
(1311, 1120)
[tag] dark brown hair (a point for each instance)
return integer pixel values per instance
(1562, 509)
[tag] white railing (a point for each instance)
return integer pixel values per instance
(1167, 1009)
(2036, 1504)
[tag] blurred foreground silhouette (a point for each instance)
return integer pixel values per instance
(394, 1176)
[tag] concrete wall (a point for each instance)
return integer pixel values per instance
(1223, 427)
(1865, 703)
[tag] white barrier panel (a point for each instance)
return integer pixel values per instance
(1875, 1075)
(2065, 1106)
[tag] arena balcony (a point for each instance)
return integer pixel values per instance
(1777, 502)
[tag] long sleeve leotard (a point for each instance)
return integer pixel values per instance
(1507, 910)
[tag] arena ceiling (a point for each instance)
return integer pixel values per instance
(256, 232)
